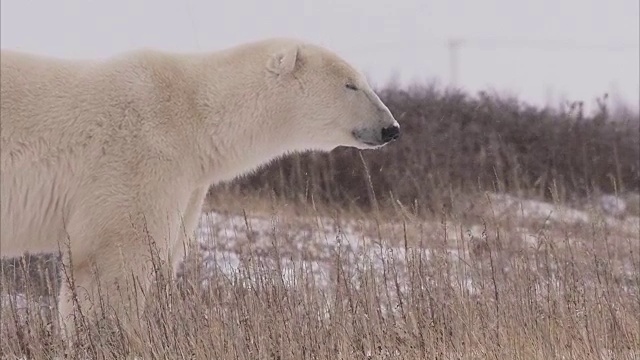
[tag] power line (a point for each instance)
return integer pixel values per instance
(454, 45)
(500, 42)
(545, 44)
(193, 24)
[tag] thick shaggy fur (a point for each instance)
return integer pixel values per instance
(98, 154)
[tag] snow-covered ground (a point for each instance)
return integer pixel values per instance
(313, 245)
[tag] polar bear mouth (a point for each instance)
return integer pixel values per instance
(371, 143)
(377, 138)
(366, 137)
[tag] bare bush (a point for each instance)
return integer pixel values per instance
(452, 143)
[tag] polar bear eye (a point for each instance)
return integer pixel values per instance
(351, 87)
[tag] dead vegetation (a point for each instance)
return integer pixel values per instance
(454, 144)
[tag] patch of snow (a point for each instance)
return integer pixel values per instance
(532, 209)
(23, 304)
(613, 205)
(318, 250)
(19, 301)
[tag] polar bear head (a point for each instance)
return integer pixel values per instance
(328, 102)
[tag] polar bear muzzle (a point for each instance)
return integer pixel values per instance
(390, 133)
(377, 138)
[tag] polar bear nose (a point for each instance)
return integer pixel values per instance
(390, 133)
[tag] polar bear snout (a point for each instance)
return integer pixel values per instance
(390, 133)
(376, 137)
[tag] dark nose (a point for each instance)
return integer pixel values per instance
(390, 133)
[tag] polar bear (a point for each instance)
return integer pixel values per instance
(97, 156)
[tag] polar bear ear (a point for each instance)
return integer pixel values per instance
(284, 61)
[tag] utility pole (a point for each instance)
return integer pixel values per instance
(454, 46)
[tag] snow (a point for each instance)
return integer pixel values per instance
(294, 245)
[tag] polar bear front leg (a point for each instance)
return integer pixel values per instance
(188, 225)
(110, 267)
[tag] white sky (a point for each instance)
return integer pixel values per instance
(540, 50)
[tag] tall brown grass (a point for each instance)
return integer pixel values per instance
(426, 290)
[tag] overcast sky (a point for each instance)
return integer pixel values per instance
(540, 50)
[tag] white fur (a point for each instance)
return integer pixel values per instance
(97, 154)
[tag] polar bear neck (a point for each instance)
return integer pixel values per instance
(242, 124)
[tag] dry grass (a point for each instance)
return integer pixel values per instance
(500, 280)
